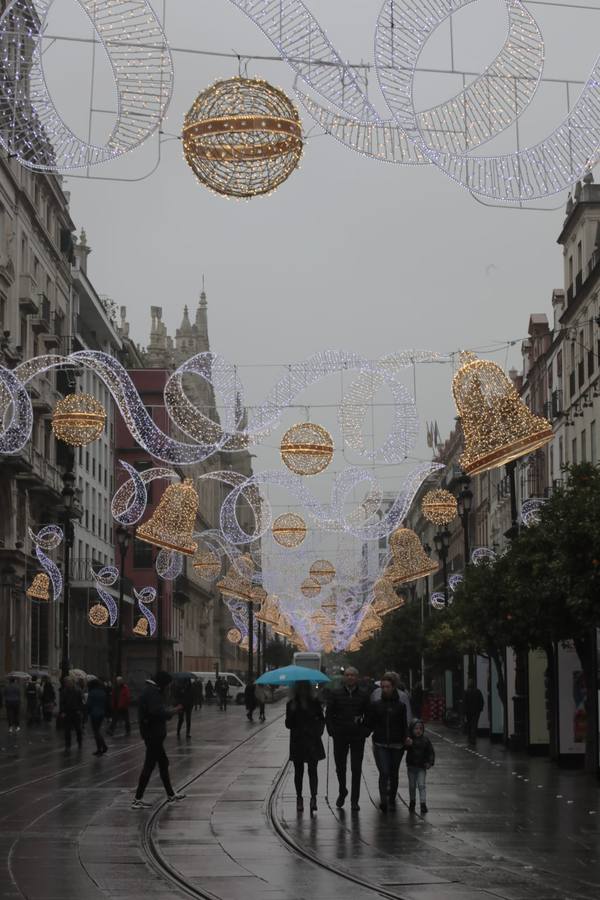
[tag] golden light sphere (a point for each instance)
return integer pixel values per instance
(310, 587)
(207, 564)
(322, 571)
(234, 635)
(242, 137)
(307, 449)
(98, 614)
(289, 530)
(439, 506)
(78, 419)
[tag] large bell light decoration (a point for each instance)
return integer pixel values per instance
(385, 598)
(322, 571)
(306, 449)
(409, 562)
(39, 589)
(171, 525)
(439, 506)
(289, 530)
(354, 645)
(242, 137)
(269, 611)
(234, 587)
(207, 564)
(497, 425)
(78, 419)
(283, 627)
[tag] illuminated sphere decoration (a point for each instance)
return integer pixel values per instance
(98, 614)
(207, 564)
(171, 525)
(498, 427)
(307, 449)
(310, 587)
(78, 419)
(322, 571)
(39, 589)
(289, 530)
(234, 636)
(242, 137)
(439, 506)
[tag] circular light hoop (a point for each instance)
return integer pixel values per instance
(78, 419)
(306, 449)
(289, 530)
(142, 68)
(439, 506)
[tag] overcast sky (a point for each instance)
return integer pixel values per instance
(349, 253)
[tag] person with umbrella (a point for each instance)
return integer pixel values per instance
(306, 722)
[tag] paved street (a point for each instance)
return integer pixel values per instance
(499, 825)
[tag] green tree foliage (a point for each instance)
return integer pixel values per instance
(397, 647)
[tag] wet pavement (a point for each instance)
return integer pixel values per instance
(499, 826)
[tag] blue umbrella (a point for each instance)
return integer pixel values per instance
(291, 674)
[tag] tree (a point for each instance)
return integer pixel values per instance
(278, 654)
(397, 647)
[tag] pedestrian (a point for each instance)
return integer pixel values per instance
(347, 709)
(261, 698)
(83, 687)
(121, 701)
(32, 698)
(12, 701)
(388, 722)
(70, 710)
(306, 722)
(184, 698)
(420, 756)
(209, 692)
(402, 694)
(198, 689)
(222, 692)
(48, 698)
(473, 702)
(96, 706)
(250, 700)
(153, 716)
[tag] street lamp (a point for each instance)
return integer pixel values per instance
(464, 503)
(123, 538)
(68, 496)
(442, 544)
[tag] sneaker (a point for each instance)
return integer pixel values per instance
(411, 807)
(341, 799)
(424, 808)
(174, 798)
(140, 804)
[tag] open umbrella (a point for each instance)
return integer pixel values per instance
(291, 674)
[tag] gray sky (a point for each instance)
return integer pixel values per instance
(349, 253)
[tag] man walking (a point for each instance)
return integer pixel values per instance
(184, 697)
(70, 711)
(346, 723)
(153, 717)
(222, 691)
(32, 696)
(121, 700)
(473, 708)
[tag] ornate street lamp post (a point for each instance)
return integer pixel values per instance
(68, 496)
(464, 504)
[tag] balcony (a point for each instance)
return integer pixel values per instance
(27, 295)
(41, 323)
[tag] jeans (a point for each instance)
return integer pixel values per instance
(356, 746)
(416, 779)
(96, 728)
(187, 713)
(313, 779)
(155, 753)
(388, 761)
(117, 715)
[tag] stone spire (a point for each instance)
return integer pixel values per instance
(201, 325)
(186, 325)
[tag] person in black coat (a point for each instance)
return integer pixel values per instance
(346, 720)
(184, 697)
(306, 722)
(71, 710)
(387, 721)
(153, 717)
(473, 705)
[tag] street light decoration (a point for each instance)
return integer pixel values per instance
(141, 627)
(439, 506)
(498, 428)
(242, 137)
(233, 586)
(310, 587)
(269, 611)
(234, 636)
(307, 449)
(289, 530)
(171, 525)
(322, 571)
(409, 560)
(98, 615)
(78, 419)
(39, 589)
(207, 564)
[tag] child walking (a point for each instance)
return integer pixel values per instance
(420, 756)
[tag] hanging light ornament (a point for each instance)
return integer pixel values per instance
(78, 419)
(307, 449)
(245, 565)
(234, 587)
(141, 627)
(234, 636)
(322, 571)
(269, 611)
(39, 589)
(354, 645)
(385, 598)
(242, 137)
(171, 525)
(497, 425)
(439, 506)
(98, 614)
(289, 530)
(310, 587)
(283, 627)
(207, 564)
(409, 562)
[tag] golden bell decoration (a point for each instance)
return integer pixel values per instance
(410, 562)
(39, 589)
(141, 627)
(78, 419)
(242, 137)
(322, 571)
(439, 506)
(328, 647)
(234, 636)
(497, 425)
(235, 587)
(283, 627)
(371, 622)
(306, 449)
(98, 614)
(354, 645)
(269, 611)
(207, 564)
(310, 587)
(385, 598)
(289, 530)
(171, 525)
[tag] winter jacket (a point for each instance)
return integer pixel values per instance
(221, 688)
(250, 696)
(48, 694)
(473, 702)
(32, 693)
(306, 723)
(404, 698)
(420, 754)
(71, 701)
(387, 720)
(184, 693)
(12, 694)
(346, 713)
(153, 714)
(121, 698)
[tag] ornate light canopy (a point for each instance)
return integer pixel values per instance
(307, 449)
(289, 530)
(39, 589)
(78, 419)
(242, 137)
(171, 525)
(439, 506)
(497, 425)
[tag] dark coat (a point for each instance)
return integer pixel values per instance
(420, 754)
(250, 696)
(387, 720)
(153, 714)
(184, 693)
(473, 702)
(347, 713)
(306, 724)
(97, 703)
(71, 701)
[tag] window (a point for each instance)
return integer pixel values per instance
(142, 555)
(579, 258)
(24, 255)
(36, 269)
(583, 446)
(574, 451)
(593, 448)
(571, 272)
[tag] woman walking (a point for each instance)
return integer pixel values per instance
(96, 706)
(387, 721)
(306, 722)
